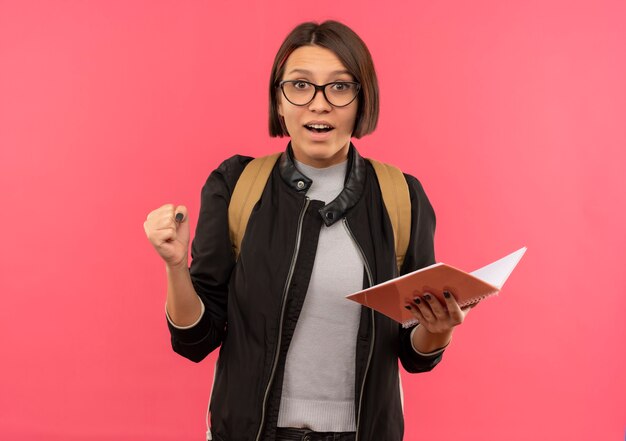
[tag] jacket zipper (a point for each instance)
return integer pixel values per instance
(369, 357)
(282, 314)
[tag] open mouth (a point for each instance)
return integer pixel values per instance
(318, 128)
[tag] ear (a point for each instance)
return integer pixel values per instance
(279, 106)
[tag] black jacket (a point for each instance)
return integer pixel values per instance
(252, 305)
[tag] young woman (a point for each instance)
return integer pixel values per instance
(297, 360)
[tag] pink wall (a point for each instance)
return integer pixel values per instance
(511, 113)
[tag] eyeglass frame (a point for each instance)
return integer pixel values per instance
(317, 89)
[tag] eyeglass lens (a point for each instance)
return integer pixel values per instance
(338, 93)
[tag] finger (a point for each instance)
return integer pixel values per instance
(435, 306)
(159, 237)
(415, 311)
(456, 313)
(181, 214)
(424, 309)
(166, 216)
(166, 208)
(182, 225)
(151, 228)
(162, 222)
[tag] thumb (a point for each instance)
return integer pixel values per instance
(182, 224)
(180, 215)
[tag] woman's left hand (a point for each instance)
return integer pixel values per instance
(435, 316)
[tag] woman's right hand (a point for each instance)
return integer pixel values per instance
(167, 229)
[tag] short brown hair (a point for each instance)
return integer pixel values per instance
(352, 52)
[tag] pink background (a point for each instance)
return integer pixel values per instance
(511, 113)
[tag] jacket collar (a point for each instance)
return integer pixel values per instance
(352, 189)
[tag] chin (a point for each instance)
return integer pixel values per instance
(326, 148)
(321, 151)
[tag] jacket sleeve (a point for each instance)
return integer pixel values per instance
(212, 263)
(421, 253)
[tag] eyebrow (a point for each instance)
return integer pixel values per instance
(308, 72)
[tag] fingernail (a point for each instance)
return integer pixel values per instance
(179, 217)
(446, 294)
(427, 296)
(408, 307)
(417, 300)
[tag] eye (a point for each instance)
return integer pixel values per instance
(342, 87)
(300, 85)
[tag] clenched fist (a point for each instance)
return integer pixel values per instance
(167, 229)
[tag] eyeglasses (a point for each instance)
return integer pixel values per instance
(337, 93)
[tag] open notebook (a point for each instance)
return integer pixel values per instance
(390, 297)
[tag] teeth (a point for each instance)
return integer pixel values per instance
(318, 126)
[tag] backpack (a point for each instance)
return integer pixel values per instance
(251, 183)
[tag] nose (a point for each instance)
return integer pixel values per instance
(319, 103)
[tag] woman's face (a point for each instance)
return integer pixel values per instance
(319, 66)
